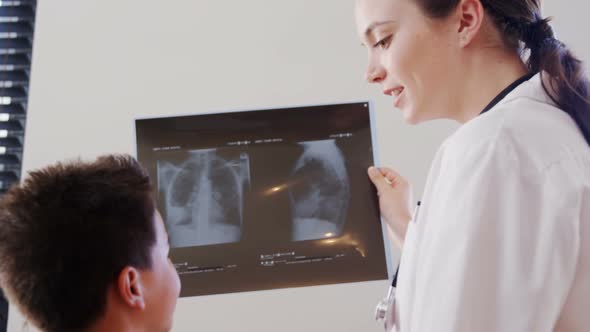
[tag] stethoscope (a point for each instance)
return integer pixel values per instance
(385, 311)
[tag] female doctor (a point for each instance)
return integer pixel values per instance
(502, 241)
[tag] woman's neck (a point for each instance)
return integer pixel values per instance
(486, 74)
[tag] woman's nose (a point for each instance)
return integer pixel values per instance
(374, 74)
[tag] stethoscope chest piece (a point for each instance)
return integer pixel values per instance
(385, 311)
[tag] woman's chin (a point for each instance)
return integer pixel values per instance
(411, 116)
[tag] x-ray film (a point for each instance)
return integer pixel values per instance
(320, 192)
(266, 199)
(202, 191)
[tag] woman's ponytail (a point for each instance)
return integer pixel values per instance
(562, 73)
(521, 24)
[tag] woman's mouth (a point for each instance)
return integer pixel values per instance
(396, 93)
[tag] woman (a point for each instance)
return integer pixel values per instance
(502, 242)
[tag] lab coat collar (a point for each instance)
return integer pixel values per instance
(506, 91)
(531, 89)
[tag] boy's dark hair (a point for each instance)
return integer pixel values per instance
(68, 231)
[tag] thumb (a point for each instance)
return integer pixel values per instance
(378, 179)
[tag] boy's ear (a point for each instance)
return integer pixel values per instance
(130, 288)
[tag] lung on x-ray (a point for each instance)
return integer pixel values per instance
(203, 196)
(265, 199)
(321, 191)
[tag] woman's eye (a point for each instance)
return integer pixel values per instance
(384, 43)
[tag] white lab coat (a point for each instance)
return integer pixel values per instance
(502, 240)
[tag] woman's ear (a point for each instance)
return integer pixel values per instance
(130, 288)
(470, 15)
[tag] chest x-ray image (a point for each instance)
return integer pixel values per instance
(321, 191)
(266, 199)
(203, 196)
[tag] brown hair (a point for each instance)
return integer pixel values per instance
(520, 23)
(66, 234)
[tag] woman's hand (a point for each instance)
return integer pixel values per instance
(395, 197)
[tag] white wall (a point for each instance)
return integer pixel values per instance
(99, 64)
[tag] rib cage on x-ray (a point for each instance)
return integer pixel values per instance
(203, 197)
(320, 192)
